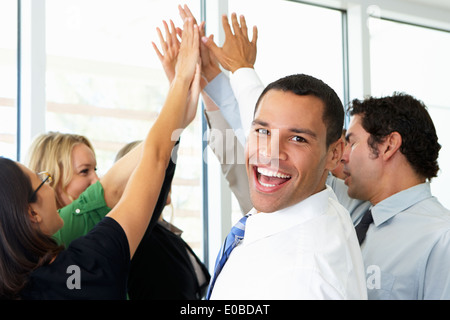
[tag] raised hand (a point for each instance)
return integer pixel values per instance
(237, 51)
(185, 13)
(170, 47)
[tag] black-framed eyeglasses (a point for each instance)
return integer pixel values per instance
(46, 178)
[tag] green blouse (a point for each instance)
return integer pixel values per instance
(82, 214)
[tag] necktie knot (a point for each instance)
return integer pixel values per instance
(236, 235)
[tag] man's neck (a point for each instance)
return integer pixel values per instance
(393, 183)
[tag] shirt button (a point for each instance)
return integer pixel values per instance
(77, 210)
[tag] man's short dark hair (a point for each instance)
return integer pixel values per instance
(409, 117)
(303, 85)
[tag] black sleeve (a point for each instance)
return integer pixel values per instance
(165, 189)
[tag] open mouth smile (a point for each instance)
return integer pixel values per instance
(269, 180)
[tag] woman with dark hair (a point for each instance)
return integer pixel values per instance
(22, 246)
(95, 266)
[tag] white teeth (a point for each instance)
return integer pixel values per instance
(272, 174)
(266, 184)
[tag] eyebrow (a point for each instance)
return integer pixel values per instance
(85, 165)
(295, 130)
(261, 123)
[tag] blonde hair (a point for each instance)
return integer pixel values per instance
(52, 152)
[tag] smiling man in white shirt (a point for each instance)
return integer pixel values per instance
(299, 241)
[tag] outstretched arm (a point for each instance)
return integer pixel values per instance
(238, 55)
(133, 212)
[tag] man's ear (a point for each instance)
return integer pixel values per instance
(335, 151)
(392, 143)
(33, 215)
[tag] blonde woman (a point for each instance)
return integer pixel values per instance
(70, 158)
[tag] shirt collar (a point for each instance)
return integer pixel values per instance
(399, 202)
(261, 225)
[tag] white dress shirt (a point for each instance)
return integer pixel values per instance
(306, 251)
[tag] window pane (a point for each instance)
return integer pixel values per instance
(105, 81)
(294, 38)
(414, 60)
(8, 78)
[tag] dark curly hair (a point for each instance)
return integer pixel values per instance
(409, 117)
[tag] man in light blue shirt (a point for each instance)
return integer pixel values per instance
(390, 158)
(391, 155)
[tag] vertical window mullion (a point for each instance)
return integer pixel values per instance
(345, 66)
(19, 71)
(204, 142)
(31, 69)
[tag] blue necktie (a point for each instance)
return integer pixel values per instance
(233, 238)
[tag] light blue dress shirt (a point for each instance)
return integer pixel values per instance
(406, 252)
(219, 90)
(407, 249)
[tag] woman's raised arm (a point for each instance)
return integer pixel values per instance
(134, 209)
